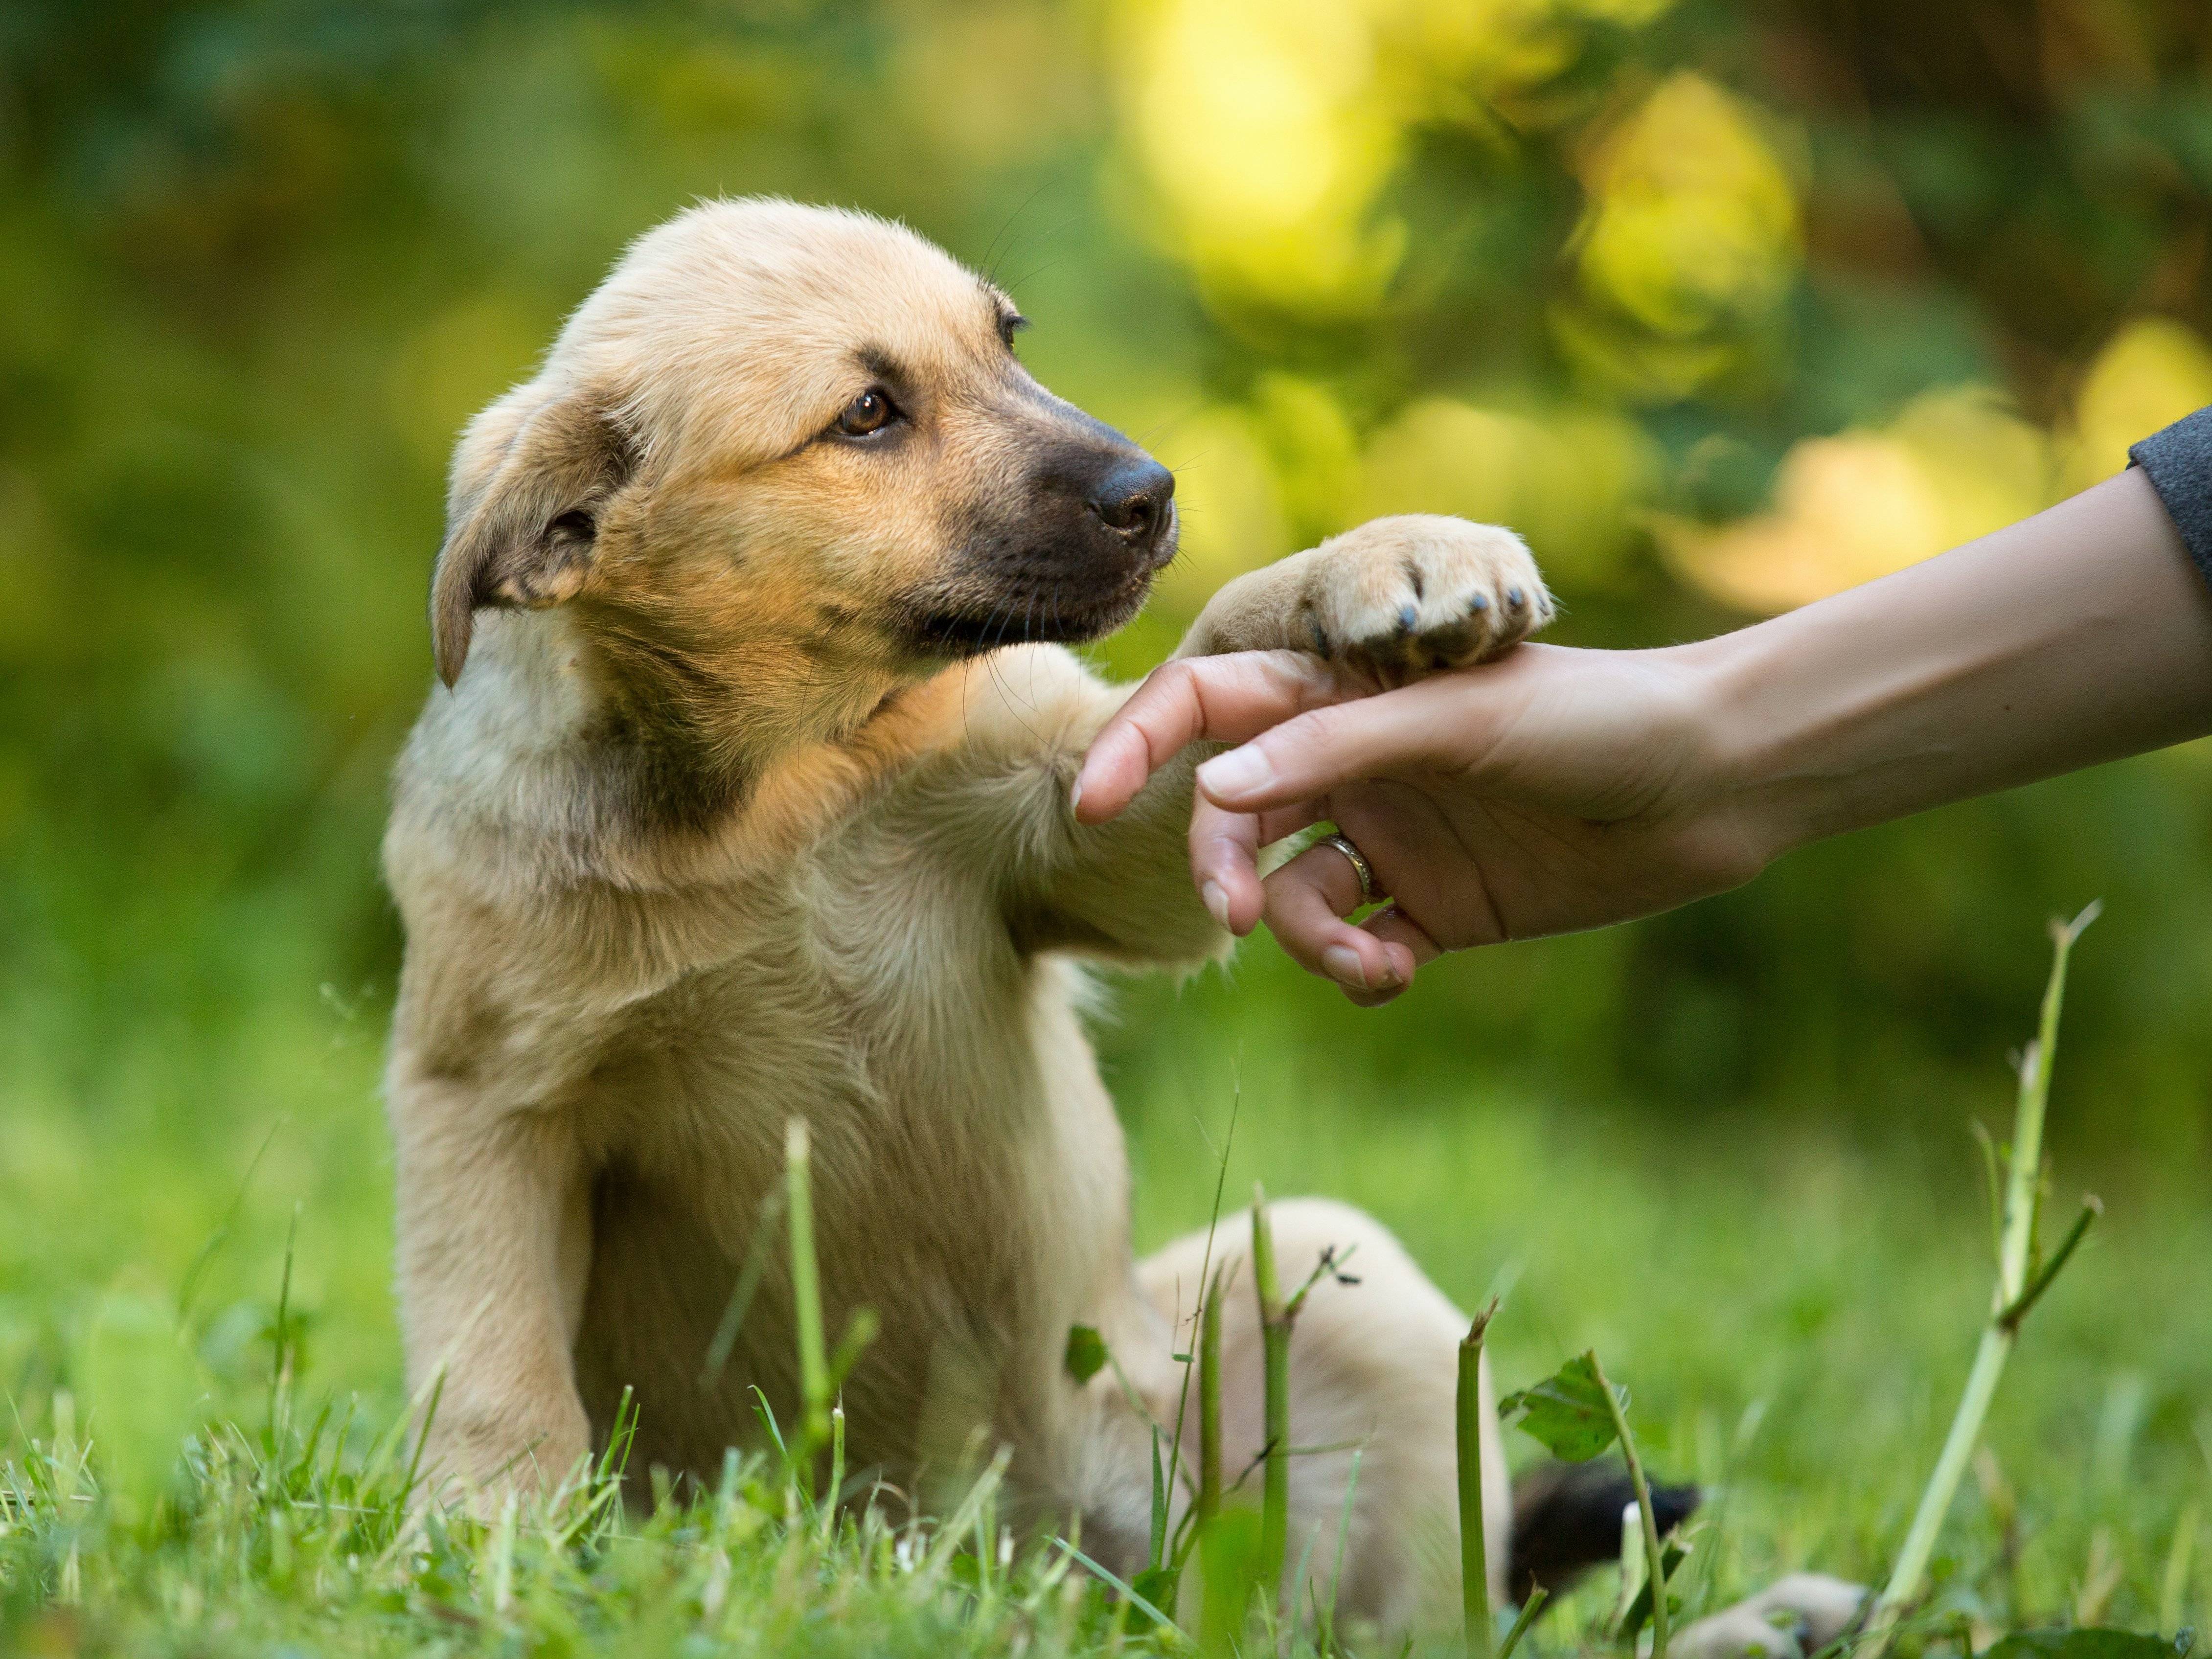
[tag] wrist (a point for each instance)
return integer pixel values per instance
(1754, 729)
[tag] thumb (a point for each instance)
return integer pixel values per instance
(1307, 757)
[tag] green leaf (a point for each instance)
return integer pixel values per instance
(1567, 1411)
(2093, 1643)
(1086, 1352)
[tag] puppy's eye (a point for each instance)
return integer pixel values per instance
(872, 411)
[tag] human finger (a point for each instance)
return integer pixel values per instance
(1227, 698)
(1307, 900)
(1224, 852)
(1312, 752)
(1394, 927)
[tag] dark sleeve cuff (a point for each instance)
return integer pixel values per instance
(2178, 463)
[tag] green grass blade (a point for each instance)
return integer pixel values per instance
(1473, 1553)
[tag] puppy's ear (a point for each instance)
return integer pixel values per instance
(522, 517)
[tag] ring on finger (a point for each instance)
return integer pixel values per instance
(1360, 867)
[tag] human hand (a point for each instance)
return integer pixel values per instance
(1552, 790)
(1555, 789)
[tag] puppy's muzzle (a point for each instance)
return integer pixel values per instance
(1069, 556)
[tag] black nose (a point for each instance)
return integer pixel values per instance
(1134, 499)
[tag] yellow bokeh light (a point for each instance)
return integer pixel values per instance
(1259, 480)
(1266, 129)
(2150, 373)
(1566, 481)
(1255, 125)
(1954, 465)
(1692, 223)
(1432, 53)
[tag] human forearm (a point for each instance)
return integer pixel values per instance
(2079, 635)
(1557, 789)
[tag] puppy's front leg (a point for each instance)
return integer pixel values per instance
(1395, 599)
(493, 1245)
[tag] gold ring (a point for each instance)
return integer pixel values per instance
(1360, 866)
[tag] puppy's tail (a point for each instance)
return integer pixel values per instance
(1566, 1520)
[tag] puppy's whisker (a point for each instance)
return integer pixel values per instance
(1166, 422)
(1027, 699)
(1033, 275)
(1044, 236)
(991, 254)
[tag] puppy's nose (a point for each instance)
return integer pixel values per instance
(1132, 499)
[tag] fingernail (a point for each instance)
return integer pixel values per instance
(1216, 901)
(1342, 962)
(1075, 796)
(1236, 772)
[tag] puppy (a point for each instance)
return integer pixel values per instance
(744, 798)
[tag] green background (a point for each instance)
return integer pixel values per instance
(1635, 277)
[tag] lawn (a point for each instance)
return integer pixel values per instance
(1792, 1306)
(1722, 306)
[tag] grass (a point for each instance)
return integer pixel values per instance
(1793, 1305)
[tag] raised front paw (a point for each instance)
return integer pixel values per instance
(1402, 596)
(1395, 599)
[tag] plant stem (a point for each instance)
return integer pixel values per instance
(1655, 1560)
(1158, 1554)
(1209, 1401)
(1537, 1596)
(277, 1368)
(2009, 1302)
(806, 1298)
(836, 1472)
(1275, 1347)
(1474, 1553)
(2092, 1207)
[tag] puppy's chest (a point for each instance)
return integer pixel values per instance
(877, 988)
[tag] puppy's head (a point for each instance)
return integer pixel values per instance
(782, 440)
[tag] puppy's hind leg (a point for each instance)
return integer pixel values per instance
(1374, 1367)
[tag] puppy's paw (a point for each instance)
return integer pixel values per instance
(1402, 596)
(1790, 1618)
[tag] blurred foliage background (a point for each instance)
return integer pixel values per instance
(1724, 303)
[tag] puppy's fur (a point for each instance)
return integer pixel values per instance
(744, 797)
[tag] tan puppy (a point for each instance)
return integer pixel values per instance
(745, 798)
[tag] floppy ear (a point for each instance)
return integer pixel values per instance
(522, 538)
